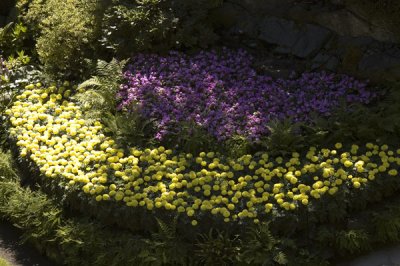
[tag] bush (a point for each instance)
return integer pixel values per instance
(70, 35)
(158, 25)
(65, 32)
(12, 39)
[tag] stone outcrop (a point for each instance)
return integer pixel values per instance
(326, 36)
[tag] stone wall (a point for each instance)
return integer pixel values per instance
(319, 35)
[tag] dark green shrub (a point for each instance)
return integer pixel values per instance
(157, 25)
(12, 39)
(71, 35)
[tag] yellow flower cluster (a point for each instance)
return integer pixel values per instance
(52, 133)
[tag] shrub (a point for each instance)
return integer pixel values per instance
(65, 32)
(71, 35)
(12, 39)
(157, 25)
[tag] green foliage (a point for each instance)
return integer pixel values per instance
(4, 262)
(217, 248)
(15, 73)
(129, 129)
(378, 122)
(100, 92)
(64, 33)
(261, 248)
(157, 25)
(352, 241)
(12, 38)
(191, 138)
(237, 146)
(387, 225)
(71, 35)
(99, 101)
(284, 137)
(165, 246)
(6, 166)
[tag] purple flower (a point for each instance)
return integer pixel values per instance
(222, 93)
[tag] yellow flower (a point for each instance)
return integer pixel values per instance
(356, 184)
(338, 146)
(392, 172)
(348, 163)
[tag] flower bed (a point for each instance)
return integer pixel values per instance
(223, 94)
(52, 133)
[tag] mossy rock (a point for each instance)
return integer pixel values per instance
(380, 13)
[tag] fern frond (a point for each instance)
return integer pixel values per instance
(114, 67)
(281, 258)
(5, 30)
(6, 168)
(90, 83)
(166, 231)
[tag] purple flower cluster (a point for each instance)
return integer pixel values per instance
(222, 93)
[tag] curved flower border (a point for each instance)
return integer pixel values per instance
(51, 131)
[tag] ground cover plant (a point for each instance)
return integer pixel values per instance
(223, 94)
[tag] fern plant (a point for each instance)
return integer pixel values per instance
(100, 91)
(99, 100)
(284, 137)
(387, 226)
(165, 246)
(6, 168)
(261, 247)
(217, 248)
(352, 241)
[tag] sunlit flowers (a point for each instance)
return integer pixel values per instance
(51, 132)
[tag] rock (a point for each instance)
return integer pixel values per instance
(381, 66)
(362, 41)
(332, 64)
(264, 7)
(302, 41)
(311, 40)
(347, 23)
(282, 50)
(227, 15)
(377, 61)
(279, 31)
(351, 58)
(321, 59)
(325, 61)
